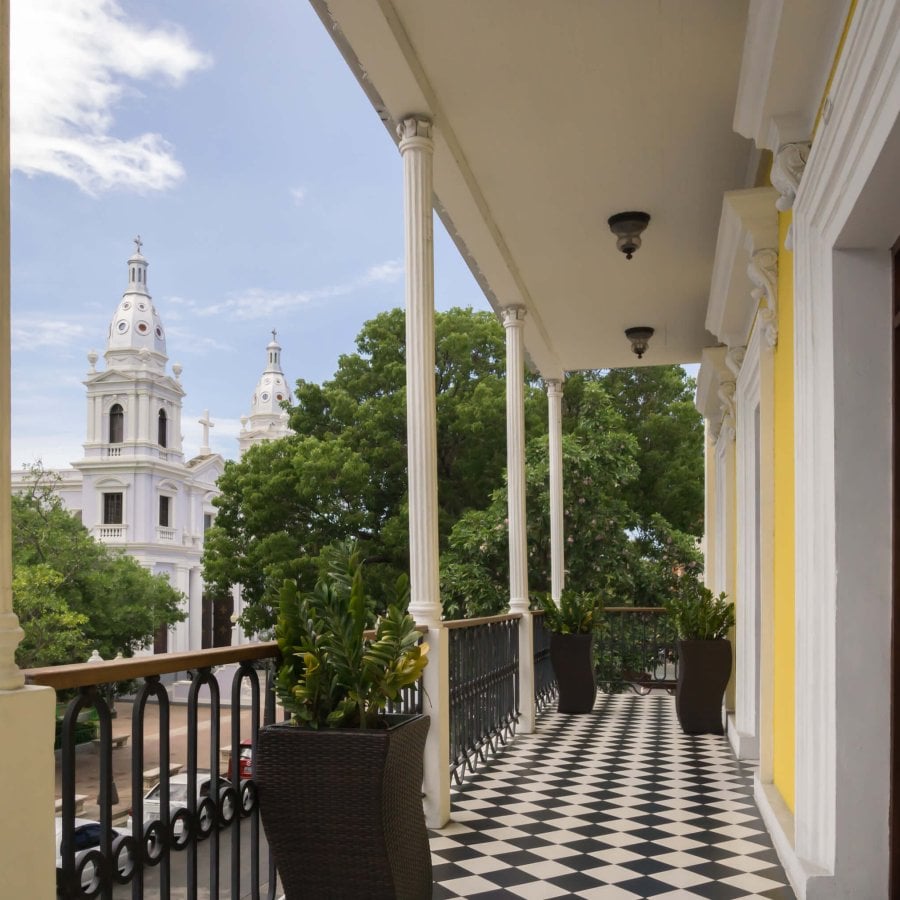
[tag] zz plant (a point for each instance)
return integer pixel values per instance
(334, 675)
(577, 613)
(699, 615)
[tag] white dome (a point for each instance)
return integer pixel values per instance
(136, 325)
(271, 389)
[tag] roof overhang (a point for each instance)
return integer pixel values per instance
(551, 117)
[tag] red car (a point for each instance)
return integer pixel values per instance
(245, 761)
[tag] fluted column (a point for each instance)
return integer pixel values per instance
(26, 713)
(416, 148)
(514, 323)
(557, 536)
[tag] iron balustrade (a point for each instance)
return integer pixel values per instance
(123, 858)
(545, 687)
(636, 650)
(484, 688)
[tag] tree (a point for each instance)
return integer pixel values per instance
(344, 473)
(657, 406)
(598, 463)
(628, 554)
(54, 633)
(66, 585)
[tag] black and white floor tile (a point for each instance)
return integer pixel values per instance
(615, 805)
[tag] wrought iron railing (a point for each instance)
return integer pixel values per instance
(183, 833)
(484, 688)
(545, 688)
(636, 650)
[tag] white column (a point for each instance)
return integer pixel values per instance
(195, 607)
(183, 634)
(557, 522)
(416, 149)
(26, 713)
(514, 322)
(138, 428)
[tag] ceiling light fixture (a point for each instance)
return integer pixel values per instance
(628, 227)
(640, 339)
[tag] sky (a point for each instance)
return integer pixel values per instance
(234, 140)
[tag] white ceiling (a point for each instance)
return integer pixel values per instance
(552, 115)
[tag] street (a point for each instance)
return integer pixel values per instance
(178, 876)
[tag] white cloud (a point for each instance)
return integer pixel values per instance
(298, 194)
(72, 63)
(261, 303)
(30, 332)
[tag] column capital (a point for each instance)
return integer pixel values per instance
(415, 130)
(554, 387)
(513, 316)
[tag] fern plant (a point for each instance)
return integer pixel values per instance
(699, 615)
(332, 675)
(577, 613)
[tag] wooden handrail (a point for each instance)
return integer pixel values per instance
(484, 620)
(83, 674)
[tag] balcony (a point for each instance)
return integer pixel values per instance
(618, 803)
(111, 533)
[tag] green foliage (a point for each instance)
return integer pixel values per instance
(332, 675)
(577, 613)
(54, 634)
(698, 615)
(656, 404)
(344, 472)
(633, 478)
(73, 594)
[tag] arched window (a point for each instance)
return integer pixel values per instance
(163, 429)
(116, 424)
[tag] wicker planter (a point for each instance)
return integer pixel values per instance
(704, 668)
(342, 809)
(572, 656)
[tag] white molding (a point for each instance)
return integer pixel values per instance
(747, 601)
(711, 373)
(760, 41)
(748, 224)
(788, 52)
(787, 171)
(840, 350)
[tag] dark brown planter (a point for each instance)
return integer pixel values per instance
(342, 809)
(704, 668)
(572, 656)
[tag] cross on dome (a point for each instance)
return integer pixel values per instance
(274, 334)
(138, 243)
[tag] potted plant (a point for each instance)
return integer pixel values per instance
(340, 784)
(702, 622)
(572, 625)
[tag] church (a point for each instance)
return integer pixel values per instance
(133, 488)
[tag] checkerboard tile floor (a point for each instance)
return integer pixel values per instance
(615, 805)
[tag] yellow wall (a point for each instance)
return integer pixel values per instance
(783, 675)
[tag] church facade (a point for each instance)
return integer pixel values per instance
(133, 488)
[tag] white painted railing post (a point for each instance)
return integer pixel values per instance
(416, 148)
(557, 522)
(26, 713)
(514, 322)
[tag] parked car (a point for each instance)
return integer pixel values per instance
(87, 837)
(178, 800)
(245, 761)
